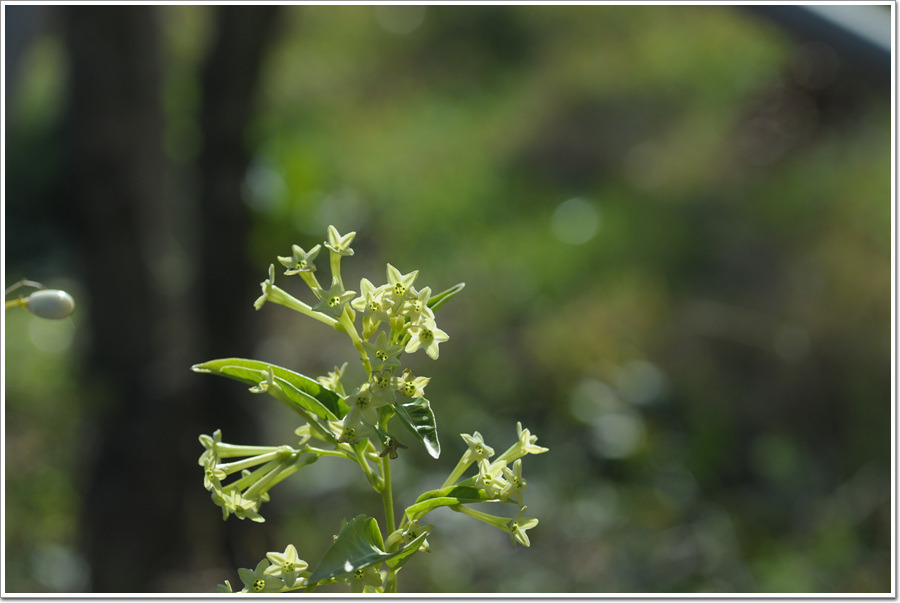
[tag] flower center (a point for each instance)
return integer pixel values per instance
(259, 584)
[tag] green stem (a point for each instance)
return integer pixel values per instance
(277, 295)
(458, 471)
(350, 328)
(335, 261)
(252, 461)
(22, 302)
(390, 585)
(387, 496)
(375, 481)
(323, 452)
(311, 281)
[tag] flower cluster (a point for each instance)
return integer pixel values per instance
(499, 482)
(383, 322)
(244, 496)
(395, 318)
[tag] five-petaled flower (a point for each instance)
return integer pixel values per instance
(286, 566)
(334, 299)
(426, 335)
(478, 450)
(256, 581)
(300, 261)
(411, 386)
(401, 284)
(519, 525)
(363, 406)
(339, 244)
(372, 301)
(382, 353)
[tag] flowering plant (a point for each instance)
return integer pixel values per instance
(355, 424)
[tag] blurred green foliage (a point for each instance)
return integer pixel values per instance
(676, 244)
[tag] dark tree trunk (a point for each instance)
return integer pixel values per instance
(148, 525)
(228, 285)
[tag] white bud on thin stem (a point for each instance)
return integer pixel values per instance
(51, 303)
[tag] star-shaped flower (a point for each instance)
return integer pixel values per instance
(380, 384)
(426, 335)
(334, 299)
(490, 478)
(286, 566)
(525, 445)
(400, 283)
(256, 581)
(416, 307)
(339, 244)
(210, 445)
(366, 579)
(381, 353)
(519, 525)
(300, 261)
(478, 450)
(409, 385)
(372, 302)
(363, 406)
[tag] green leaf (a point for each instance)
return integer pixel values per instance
(417, 416)
(445, 497)
(308, 394)
(443, 297)
(408, 551)
(358, 545)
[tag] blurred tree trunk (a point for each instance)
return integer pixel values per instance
(149, 321)
(227, 283)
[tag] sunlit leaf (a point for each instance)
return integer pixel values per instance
(358, 545)
(418, 417)
(306, 393)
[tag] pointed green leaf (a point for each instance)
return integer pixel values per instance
(300, 390)
(417, 416)
(358, 545)
(436, 301)
(445, 497)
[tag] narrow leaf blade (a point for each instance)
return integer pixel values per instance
(308, 393)
(443, 297)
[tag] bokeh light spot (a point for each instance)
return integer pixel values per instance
(575, 221)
